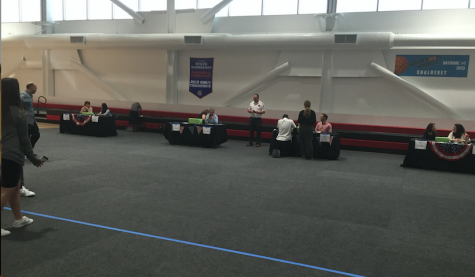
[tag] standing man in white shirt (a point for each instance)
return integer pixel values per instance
(284, 138)
(256, 109)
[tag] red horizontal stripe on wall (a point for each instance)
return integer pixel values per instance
(265, 121)
(122, 123)
(53, 117)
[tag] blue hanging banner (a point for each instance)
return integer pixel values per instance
(432, 65)
(201, 76)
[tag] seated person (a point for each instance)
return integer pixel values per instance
(86, 108)
(134, 116)
(458, 134)
(323, 126)
(430, 132)
(203, 114)
(211, 118)
(284, 138)
(105, 110)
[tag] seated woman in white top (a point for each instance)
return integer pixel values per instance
(86, 108)
(105, 110)
(458, 134)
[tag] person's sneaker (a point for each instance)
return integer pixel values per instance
(249, 144)
(22, 222)
(5, 232)
(26, 192)
(277, 153)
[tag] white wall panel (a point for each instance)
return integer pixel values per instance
(355, 63)
(302, 63)
(138, 75)
(456, 93)
(377, 97)
(234, 70)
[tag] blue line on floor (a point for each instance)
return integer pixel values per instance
(195, 244)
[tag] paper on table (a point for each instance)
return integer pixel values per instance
(95, 118)
(176, 127)
(324, 137)
(66, 116)
(421, 144)
(206, 130)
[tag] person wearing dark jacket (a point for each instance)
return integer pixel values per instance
(307, 118)
(15, 145)
(430, 133)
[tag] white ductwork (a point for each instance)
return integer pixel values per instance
(398, 81)
(434, 41)
(209, 15)
(310, 41)
(137, 17)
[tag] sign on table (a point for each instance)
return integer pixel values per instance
(66, 116)
(324, 137)
(421, 144)
(206, 130)
(176, 127)
(95, 118)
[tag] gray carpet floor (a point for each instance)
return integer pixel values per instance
(361, 214)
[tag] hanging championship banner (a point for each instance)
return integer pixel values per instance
(201, 76)
(432, 65)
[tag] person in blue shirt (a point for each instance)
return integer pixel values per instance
(211, 118)
(27, 100)
(33, 130)
(105, 110)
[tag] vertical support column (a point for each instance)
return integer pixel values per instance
(327, 96)
(171, 16)
(48, 74)
(46, 16)
(172, 77)
(172, 58)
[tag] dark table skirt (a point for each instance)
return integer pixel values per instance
(103, 128)
(427, 159)
(320, 150)
(192, 135)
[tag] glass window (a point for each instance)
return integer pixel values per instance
(185, 4)
(439, 5)
(10, 11)
(224, 12)
(270, 7)
(57, 10)
(99, 9)
(312, 6)
(472, 4)
(120, 13)
(30, 10)
(152, 5)
(206, 4)
(399, 5)
(348, 6)
(245, 7)
(75, 10)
